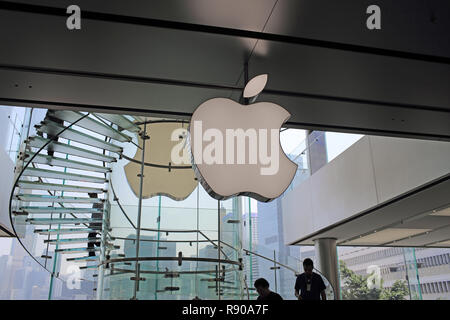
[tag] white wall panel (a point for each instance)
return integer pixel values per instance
(299, 206)
(370, 172)
(404, 164)
(343, 187)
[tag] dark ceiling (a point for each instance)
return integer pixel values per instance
(168, 56)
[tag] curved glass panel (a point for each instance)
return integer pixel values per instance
(75, 211)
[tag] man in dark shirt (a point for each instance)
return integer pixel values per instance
(309, 285)
(51, 135)
(95, 215)
(262, 287)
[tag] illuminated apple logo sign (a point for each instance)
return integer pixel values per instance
(236, 149)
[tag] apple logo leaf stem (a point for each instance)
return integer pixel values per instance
(255, 86)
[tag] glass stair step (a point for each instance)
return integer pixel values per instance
(50, 174)
(34, 185)
(120, 120)
(48, 198)
(49, 210)
(72, 241)
(89, 267)
(66, 163)
(38, 142)
(53, 128)
(49, 221)
(83, 259)
(90, 124)
(67, 231)
(138, 118)
(116, 256)
(111, 246)
(76, 250)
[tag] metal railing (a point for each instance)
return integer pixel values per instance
(20, 170)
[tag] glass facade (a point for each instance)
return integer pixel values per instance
(159, 248)
(424, 272)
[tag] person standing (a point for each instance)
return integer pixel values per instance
(94, 225)
(52, 136)
(309, 285)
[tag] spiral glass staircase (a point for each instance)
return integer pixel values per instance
(71, 210)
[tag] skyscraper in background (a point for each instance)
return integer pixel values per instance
(271, 244)
(250, 242)
(20, 273)
(22, 278)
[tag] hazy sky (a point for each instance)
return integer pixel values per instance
(336, 142)
(5, 246)
(291, 138)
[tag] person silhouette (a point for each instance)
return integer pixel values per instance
(309, 285)
(94, 225)
(265, 294)
(52, 135)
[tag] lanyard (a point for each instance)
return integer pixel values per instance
(308, 283)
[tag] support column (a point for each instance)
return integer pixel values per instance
(327, 262)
